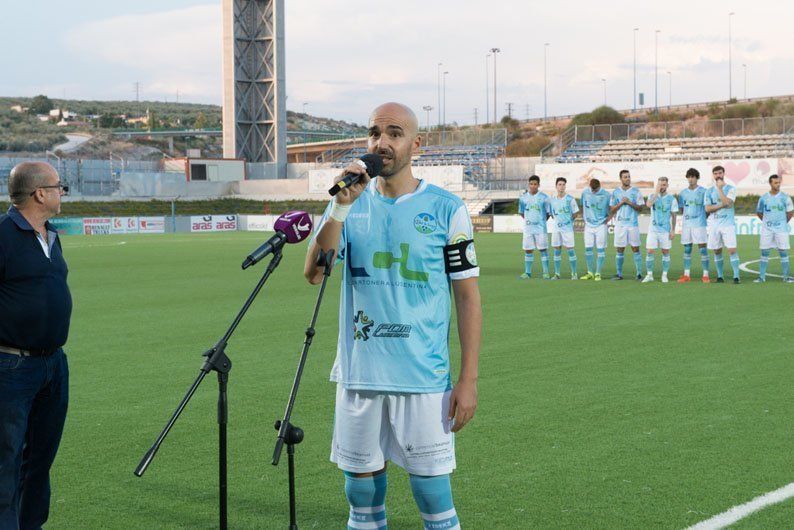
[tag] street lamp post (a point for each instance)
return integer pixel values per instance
(656, 71)
(444, 100)
(604, 81)
(494, 51)
(487, 90)
(744, 66)
(438, 86)
(427, 109)
(670, 90)
(545, 82)
(730, 58)
(634, 104)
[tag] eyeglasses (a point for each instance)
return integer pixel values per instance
(64, 187)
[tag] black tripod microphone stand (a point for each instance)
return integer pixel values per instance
(216, 361)
(289, 434)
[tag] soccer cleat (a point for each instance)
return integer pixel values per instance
(597, 277)
(705, 279)
(574, 277)
(761, 280)
(617, 278)
(788, 280)
(664, 278)
(736, 281)
(648, 279)
(555, 277)
(524, 276)
(685, 279)
(720, 279)
(546, 276)
(588, 276)
(639, 277)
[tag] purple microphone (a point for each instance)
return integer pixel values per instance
(291, 227)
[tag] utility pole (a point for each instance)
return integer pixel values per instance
(177, 96)
(527, 111)
(509, 110)
(438, 68)
(656, 71)
(475, 116)
(730, 58)
(137, 86)
(634, 105)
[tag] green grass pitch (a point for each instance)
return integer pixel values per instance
(602, 405)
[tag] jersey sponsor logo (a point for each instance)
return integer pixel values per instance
(393, 331)
(425, 223)
(361, 326)
(385, 260)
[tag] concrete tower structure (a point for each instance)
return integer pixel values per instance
(254, 88)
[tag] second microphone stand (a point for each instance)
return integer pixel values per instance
(289, 434)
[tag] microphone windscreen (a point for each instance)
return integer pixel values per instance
(374, 164)
(296, 225)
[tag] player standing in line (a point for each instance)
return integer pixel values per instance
(625, 205)
(563, 209)
(775, 210)
(534, 206)
(693, 227)
(722, 225)
(664, 208)
(595, 208)
(406, 246)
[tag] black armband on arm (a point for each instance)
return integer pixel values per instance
(460, 257)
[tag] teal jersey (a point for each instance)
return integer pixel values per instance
(394, 311)
(693, 204)
(626, 215)
(662, 213)
(725, 216)
(562, 210)
(774, 208)
(595, 206)
(535, 209)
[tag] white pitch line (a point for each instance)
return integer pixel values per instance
(743, 510)
(745, 268)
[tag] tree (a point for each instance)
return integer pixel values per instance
(41, 104)
(201, 121)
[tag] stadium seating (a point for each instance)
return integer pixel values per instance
(633, 150)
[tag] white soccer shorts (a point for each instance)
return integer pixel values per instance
(595, 236)
(721, 236)
(627, 234)
(535, 241)
(658, 240)
(564, 239)
(778, 240)
(697, 235)
(411, 430)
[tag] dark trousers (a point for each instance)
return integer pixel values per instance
(34, 393)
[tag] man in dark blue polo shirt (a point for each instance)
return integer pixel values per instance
(35, 308)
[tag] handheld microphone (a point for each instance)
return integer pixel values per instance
(291, 227)
(371, 162)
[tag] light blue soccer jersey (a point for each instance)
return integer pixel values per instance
(535, 209)
(563, 209)
(724, 216)
(394, 312)
(595, 206)
(693, 203)
(662, 213)
(773, 208)
(626, 215)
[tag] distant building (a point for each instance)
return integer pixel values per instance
(19, 108)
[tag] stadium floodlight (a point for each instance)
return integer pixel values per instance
(494, 51)
(670, 90)
(438, 87)
(427, 109)
(656, 71)
(634, 106)
(730, 58)
(744, 66)
(603, 80)
(487, 95)
(444, 101)
(545, 82)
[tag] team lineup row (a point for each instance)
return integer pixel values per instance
(708, 222)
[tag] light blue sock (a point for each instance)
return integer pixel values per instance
(764, 264)
(367, 499)
(433, 496)
(784, 262)
(602, 255)
(649, 259)
(544, 260)
(588, 256)
(557, 260)
(735, 264)
(704, 260)
(637, 263)
(619, 263)
(572, 260)
(687, 258)
(718, 262)
(529, 259)
(665, 263)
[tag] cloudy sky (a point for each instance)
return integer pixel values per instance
(344, 57)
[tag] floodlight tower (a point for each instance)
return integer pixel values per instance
(254, 86)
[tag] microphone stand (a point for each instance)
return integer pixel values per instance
(290, 434)
(216, 361)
